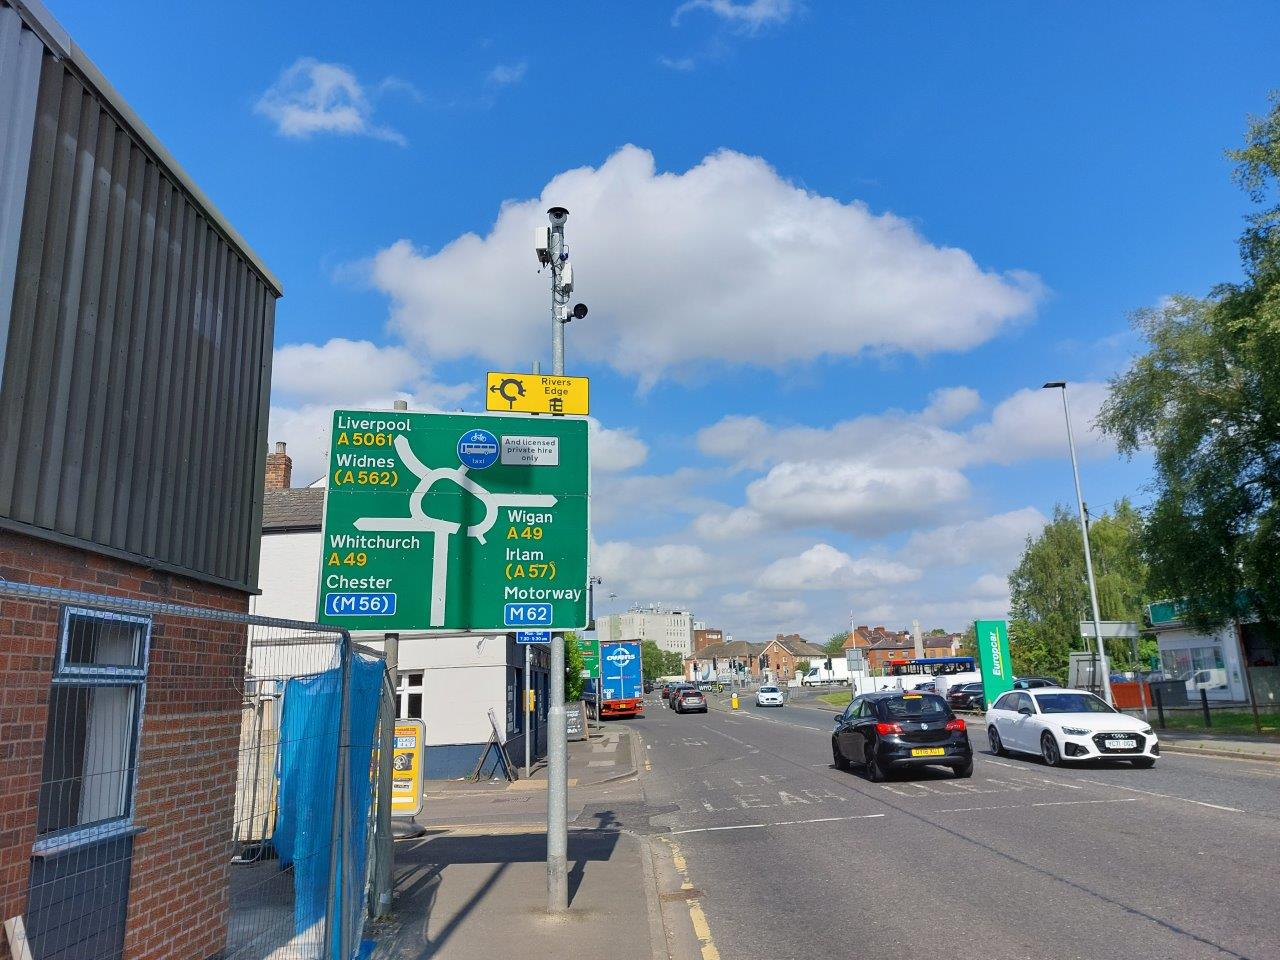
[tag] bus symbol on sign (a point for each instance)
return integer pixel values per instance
(478, 449)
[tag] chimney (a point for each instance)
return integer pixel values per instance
(279, 469)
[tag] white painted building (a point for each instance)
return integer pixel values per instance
(669, 629)
(450, 683)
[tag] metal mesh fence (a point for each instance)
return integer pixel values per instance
(197, 782)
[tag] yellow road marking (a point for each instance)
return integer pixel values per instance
(697, 917)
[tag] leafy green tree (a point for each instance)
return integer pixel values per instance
(802, 666)
(1049, 594)
(834, 647)
(1205, 400)
(574, 682)
(653, 660)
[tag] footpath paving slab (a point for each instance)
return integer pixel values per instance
(482, 893)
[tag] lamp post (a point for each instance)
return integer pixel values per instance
(1084, 536)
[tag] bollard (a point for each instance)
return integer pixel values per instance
(1159, 706)
(1204, 705)
(733, 700)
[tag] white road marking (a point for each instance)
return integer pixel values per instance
(1163, 796)
(1045, 803)
(782, 823)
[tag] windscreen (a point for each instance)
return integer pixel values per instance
(1071, 703)
(925, 706)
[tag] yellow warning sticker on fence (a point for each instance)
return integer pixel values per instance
(406, 768)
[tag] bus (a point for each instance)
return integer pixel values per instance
(930, 666)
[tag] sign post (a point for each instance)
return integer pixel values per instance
(406, 765)
(455, 522)
(992, 638)
(536, 393)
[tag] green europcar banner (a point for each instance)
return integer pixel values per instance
(993, 654)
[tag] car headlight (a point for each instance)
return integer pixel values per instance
(1076, 731)
(1146, 731)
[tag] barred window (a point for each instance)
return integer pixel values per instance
(95, 715)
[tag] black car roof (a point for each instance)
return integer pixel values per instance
(890, 694)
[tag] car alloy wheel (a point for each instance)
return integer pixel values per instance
(1049, 750)
(997, 747)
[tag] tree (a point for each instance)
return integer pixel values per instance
(573, 665)
(1049, 594)
(834, 647)
(1205, 399)
(802, 666)
(939, 632)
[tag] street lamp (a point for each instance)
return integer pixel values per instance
(1084, 536)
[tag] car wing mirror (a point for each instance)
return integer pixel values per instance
(839, 718)
(1025, 711)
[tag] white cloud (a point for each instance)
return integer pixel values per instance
(616, 450)
(749, 15)
(679, 64)
(507, 74)
(951, 405)
(732, 247)
(992, 586)
(313, 97)
(992, 541)
(724, 523)
(663, 572)
(1030, 424)
(1026, 425)
(339, 366)
(639, 501)
(823, 567)
(759, 615)
(862, 499)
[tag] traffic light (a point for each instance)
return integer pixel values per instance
(828, 663)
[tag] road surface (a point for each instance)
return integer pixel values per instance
(792, 858)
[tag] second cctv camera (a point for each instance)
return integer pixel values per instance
(558, 215)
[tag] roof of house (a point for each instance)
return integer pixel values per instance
(878, 638)
(738, 648)
(294, 508)
(798, 646)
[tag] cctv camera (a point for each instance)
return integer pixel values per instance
(579, 311)
(558, 215)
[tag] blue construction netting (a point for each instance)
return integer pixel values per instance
(309, 759)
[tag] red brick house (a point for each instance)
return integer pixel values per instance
(134, 383)
(879, 645)
(784, 651)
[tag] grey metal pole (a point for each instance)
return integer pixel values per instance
(1088, 557)
(557, 721)
(525, 708)
(380, 898)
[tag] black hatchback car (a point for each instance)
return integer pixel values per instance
(890, 730)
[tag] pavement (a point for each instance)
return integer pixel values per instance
(474, 885)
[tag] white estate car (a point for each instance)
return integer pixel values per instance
(1061, 724)
(768, 697)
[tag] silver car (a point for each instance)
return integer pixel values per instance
(769, 697)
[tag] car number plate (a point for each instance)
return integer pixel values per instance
(1122, 744)
(928, 752)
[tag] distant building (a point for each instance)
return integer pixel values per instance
(671, 630)
(880, 645)
(704, 636)
(784, 651)
(718, 659)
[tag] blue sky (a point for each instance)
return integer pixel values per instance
(830, 251)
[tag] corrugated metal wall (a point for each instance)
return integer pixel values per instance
(134, 400)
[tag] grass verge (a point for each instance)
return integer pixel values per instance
(1224, 721)
(836, 699)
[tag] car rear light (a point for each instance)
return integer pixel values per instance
(883, 728)
(956, 725)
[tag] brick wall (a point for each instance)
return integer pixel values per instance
(185, 790)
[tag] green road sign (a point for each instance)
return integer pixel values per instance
(992, 637)
(453, 522)
(590, 657)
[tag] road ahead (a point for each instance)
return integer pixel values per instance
(795, 859)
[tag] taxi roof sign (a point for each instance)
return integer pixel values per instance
(536, 393)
